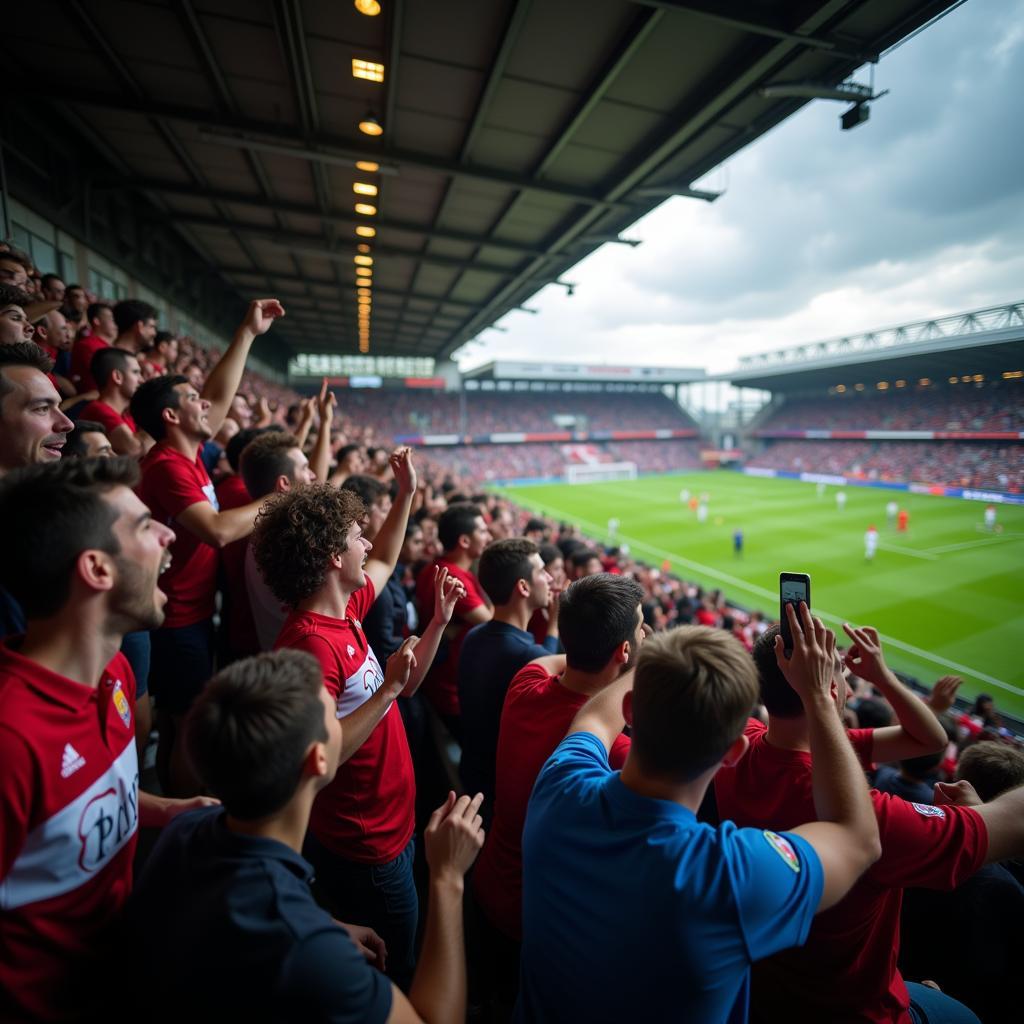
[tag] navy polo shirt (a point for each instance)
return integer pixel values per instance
(226, 924)
(492, 654)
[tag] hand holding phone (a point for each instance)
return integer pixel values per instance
(794, 587)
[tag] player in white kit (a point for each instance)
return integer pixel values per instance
(870, 544)
(840, 500)
(891, 511)
(990, 518)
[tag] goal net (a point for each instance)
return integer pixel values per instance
(600, 472)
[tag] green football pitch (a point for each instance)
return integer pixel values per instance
(945, 595)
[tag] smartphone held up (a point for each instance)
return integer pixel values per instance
(794, 587)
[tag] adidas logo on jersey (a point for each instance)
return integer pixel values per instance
(71, 761)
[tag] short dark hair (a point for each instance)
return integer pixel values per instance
(549, 553)
(105, 361)
(93, 309)
(991, 768)
(264, 459)
(162, 337)
(347, 449)
(234, 448)
(10, 252)
(579, 558)
(533, 525)
(128, 312)
(248, 733)
(49, 515)
(48, 278)
(74, 445)
(150, 400)
(369, 489)
(11, 296)
(22, 353)
(873, 714)
(781, 700)
(296, 535)
(596, 615)
(457, 521)
(693, 692)
(503, 564)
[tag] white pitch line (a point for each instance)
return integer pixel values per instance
(753, 588)
(909, 551)
(964, 545)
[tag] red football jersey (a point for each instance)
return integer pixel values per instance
(847, 970)
(171, 483)
(100, 412)
(537, 713)
(367, 813)
(81, 361)
(441, 685)
(68, 825)
(241, 630)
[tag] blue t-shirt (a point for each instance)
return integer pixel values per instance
(491, 655)
(634, 910)
(223, 925)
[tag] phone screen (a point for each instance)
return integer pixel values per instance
(793, 588)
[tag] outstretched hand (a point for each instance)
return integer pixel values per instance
(943, 694)
(325, 403)
(864, 656)
(404, 470)
(448, 591)
(454, 836)
(810, 668)
(261, 314)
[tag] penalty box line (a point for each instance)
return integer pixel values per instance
(753, 588)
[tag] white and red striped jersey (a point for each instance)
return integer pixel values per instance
(68, 824)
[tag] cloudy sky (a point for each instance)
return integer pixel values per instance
(917, 213)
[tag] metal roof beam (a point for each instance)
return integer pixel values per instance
(737, 15)
(377, 290)
(247, 134)
(304, 210)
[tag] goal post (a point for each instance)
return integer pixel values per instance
(599, 472)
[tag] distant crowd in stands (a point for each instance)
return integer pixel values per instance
(996, 405)
(662, 806)
(418, 411)
(981, 464)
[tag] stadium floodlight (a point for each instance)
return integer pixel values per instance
(845, 92)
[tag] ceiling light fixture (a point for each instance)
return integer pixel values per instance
(371, 8)
(369, 125)
(362, 247)
(364, 272)
(365, 231)
(370, 166)
(366, 209)
(367, 69)
(364, 188)
(363, 261)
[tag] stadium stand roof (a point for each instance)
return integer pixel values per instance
(518, 135)
(987, 342)
(517, 370)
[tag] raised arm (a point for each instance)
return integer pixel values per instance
(919, 732)
(845, 836)
(448, 590)
(219, 529)
(1003, 817)
(387, 545)
(452, 840)
(603, 714)
(357, 726)
(225, 377)
(320, 462)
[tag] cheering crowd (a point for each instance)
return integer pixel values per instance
(660, 810)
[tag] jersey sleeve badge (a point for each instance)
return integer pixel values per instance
(122, 706)
(784, 848)
(929, 810)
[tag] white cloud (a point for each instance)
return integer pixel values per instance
(820, 233)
